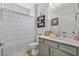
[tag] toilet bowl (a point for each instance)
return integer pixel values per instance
(34, 48)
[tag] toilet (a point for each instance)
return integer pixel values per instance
(34, 48)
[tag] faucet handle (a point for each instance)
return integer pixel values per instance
(64, 32)
(73, 32)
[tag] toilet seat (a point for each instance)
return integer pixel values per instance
(33, 45)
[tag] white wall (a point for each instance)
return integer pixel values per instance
(62, 10)
(42, 8)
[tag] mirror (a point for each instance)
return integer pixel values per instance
(68, 24)
(77, 23)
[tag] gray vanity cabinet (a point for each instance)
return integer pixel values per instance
(55, 52)
(53, 48)
(68, 49)
(0, 51)
(43, 50)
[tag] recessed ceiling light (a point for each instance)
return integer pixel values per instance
(50, 4)
(54, 5)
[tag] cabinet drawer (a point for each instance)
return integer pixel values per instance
(41, 40)
(51, 43)
(59, 53)
(68, 49)
(56, 52)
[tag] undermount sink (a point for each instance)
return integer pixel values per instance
(58, 38)
(67, 38)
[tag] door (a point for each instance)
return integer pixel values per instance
(43, 50)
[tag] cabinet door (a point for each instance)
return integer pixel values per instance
(43, 50)
(0, 51)
(55, 52)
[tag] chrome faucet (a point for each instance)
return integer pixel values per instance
(64, 34)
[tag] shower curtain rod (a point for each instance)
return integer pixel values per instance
(13, 11)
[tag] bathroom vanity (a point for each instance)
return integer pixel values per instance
(1, 49)
(61, 46)
(57, 46)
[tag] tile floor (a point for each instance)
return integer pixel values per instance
(23, 53)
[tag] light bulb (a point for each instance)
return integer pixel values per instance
(50, 4)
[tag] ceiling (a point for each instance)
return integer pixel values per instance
(27, 5)
(31, 6)
(41, 6)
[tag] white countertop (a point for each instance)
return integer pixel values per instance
(67, 41)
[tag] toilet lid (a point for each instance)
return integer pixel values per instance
(34, 44)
